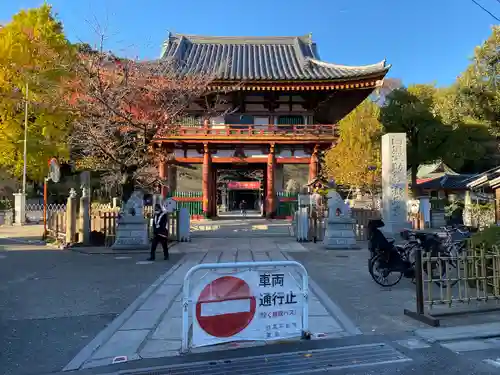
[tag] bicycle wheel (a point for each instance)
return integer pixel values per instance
(380, 272)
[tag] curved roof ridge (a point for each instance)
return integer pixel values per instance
(380, 64)
(229, 38)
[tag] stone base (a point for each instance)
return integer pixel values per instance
(131, 234)
(340, 235)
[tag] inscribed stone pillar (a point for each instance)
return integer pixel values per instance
(84, 217)
(206, 179)
(394, 183)
(270, 195)
(71, 217)
(164, 177)
(19, 208)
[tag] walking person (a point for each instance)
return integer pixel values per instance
(243, 208)
(160, 232)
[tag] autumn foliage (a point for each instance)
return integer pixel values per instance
(122, 107)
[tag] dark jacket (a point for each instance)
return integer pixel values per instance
(160, 223)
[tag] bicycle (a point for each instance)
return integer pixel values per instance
(405, 264)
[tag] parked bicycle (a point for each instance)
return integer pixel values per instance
(388, 260)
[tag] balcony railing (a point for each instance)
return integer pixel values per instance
(257, 130)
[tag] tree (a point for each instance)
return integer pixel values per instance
(35, 53)
(434, 130)
(478, 88)
(355, 160)
(410, 110)
(121, 107)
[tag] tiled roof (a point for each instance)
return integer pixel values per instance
(447, 181)
(260, 58)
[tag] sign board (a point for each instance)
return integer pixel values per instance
(243, 185)
(246, 306)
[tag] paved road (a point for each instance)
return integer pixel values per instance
(54, 302)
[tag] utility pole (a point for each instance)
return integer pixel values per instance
(25, 138)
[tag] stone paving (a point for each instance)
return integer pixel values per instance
(151, 326)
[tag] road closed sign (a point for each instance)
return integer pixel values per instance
(246, 306)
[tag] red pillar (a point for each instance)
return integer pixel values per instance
(313, 165)
(163, 172)
(270, 198)
(206, 179)
(213, 193)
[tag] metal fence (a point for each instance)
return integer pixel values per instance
(105, 222)
(451, 284)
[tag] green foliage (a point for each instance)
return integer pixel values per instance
(488, 237)
(355, 160)
(5, 205)
(433, 130)
(477, 88)
(33, 52)
(452, 207)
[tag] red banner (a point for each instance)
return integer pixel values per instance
(243, 185)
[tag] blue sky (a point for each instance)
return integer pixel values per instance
(424, 40)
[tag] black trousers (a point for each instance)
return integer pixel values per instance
(164, 244)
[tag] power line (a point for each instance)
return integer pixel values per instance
(486, 10)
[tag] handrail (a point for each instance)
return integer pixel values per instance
(255, 130)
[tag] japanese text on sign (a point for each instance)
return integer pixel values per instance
(278, 301)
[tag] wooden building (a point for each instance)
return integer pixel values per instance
(282, 102)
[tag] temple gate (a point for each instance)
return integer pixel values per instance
(279, 104)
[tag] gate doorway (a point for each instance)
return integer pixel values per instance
(237, 187)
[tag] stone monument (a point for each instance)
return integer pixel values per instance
(339, 229)
(132, 228)
(394, 184)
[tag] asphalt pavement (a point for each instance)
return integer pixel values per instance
(53, 302)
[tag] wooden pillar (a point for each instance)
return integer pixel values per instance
(163, 172)
(270, 196)
(206, 179)
(313, 164)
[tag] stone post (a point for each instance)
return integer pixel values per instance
(394, 183)
(270, 198)
(71, 217)
(206, 179)
(19, 208)
(84, 217)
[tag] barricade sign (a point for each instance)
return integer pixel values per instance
(250, 305)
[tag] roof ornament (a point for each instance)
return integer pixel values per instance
(310, 37)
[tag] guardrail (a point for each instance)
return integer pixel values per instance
(251, 266)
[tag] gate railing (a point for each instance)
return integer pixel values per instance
(251, 266)
(456, 281)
